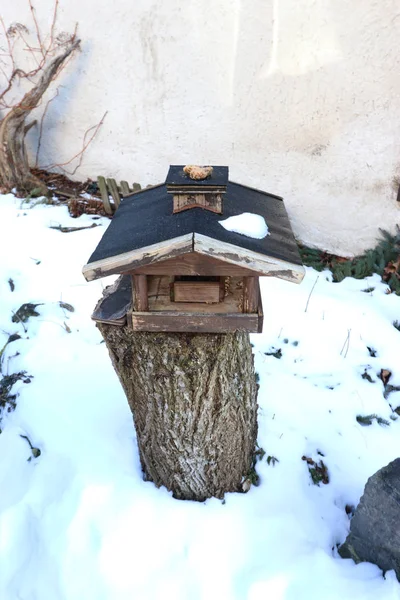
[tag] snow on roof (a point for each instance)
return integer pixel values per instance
(248, 224)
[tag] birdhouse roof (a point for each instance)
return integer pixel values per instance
(144, 230)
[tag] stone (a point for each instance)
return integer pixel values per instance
(375, 528)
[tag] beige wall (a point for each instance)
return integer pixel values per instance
(298, 97)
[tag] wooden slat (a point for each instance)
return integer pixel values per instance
(140, 296)
(196, 291)
(125, 188)
(101, 182)
(112, 186)
(194, 322)
(136, 187)
(194, 264)
(250, 294)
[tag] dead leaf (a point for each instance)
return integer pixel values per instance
(385, 375)
(392, 268)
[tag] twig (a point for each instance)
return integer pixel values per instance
(41, 126)
(346, 344)
(70, 229)
(19, 321)
(309, 295)
(53, 24)
(37, 28)
(81, 152)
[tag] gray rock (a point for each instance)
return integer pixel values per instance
(375, 528)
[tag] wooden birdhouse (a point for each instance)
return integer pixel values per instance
(185, 266)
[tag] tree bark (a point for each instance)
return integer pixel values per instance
(194, 403)
(14, 166)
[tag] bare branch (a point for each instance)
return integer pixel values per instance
(28, 127)
(32, 98)
(36, 27)
(79, 154)
(41, 126)
(46, 54)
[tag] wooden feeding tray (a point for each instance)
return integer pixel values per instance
(116, 308)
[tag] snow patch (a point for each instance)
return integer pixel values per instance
(248, 224)
(80, 522)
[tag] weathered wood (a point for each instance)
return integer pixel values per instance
(194, 264)
(260, 263)
(112, 186)
(140, 296)
(159, 294)
(147, 255)
(194, 322)
(250, 294)
(101, 182)
(136, 187)
(212, 202)
(125, 188)
(194, 404)
(196, 291)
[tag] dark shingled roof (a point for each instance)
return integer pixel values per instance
(146, 218)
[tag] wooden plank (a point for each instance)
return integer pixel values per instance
(195, 190)
(129, 261)
(140, 296)
(196, 291)
(160, 298)
(197, 322)
(112, 186)
(136, 187)
(262, 264)
(250, 294)
(212, 202)
(159, 289)
(125, 188)
(101, 182)
(195, 264)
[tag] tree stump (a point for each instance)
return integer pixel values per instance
(194, 403)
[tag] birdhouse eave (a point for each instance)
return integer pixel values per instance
(258, 264)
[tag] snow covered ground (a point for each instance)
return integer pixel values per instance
(78, 522)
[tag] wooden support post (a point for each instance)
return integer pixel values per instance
(136, 187)
(101, 182)
(140, 295)
(250, 294)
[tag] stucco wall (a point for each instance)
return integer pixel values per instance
(298, 97)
